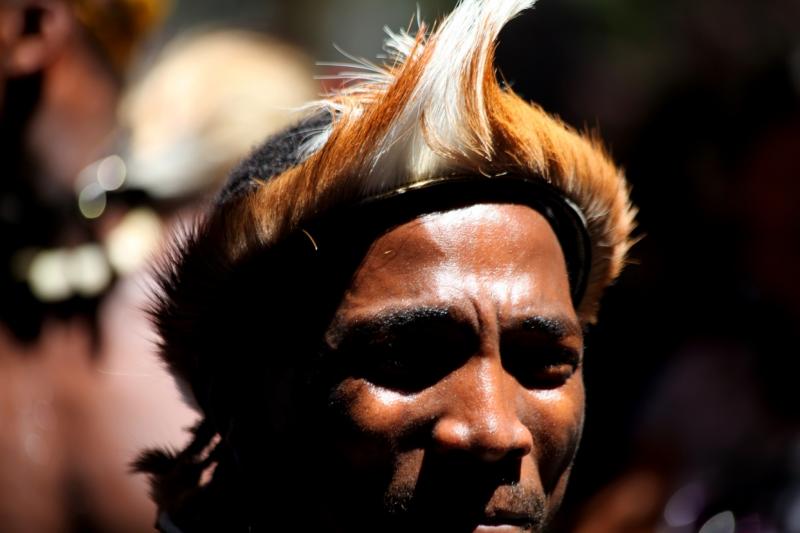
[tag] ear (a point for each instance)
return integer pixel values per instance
(32, 33)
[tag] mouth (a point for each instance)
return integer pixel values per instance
(502, 528)
(504, 522)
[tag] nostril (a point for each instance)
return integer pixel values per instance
(478, 413)
(513, 440)
(522, 440)
(486, 440)
(32, 21)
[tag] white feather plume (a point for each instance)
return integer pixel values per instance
(436, 106)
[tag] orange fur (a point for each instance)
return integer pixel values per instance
(503, 134)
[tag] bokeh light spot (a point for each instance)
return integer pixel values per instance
(111, 173)
(723, 522)
(92, 200)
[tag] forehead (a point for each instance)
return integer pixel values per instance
(504, 256)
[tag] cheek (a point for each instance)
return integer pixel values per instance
(370, 422)
(555, 418)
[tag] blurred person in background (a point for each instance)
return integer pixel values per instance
(80, 391)
(61, 73)
(63, 467)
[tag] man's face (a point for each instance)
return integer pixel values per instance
(463, 402)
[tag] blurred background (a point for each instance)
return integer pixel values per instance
(119, 118)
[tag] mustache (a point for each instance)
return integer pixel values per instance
(455, 499)
(454, 514)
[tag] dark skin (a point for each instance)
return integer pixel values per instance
(463, 403)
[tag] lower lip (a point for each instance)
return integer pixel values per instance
(499, 529)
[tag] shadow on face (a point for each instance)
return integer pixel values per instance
(446, 393)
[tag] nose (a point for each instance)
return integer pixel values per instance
(479, 413)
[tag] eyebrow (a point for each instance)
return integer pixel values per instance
(393, 322)
(557, 327)
(390, 323)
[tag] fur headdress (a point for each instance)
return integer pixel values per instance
(434, 114)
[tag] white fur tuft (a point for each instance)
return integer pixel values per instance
(435, 111)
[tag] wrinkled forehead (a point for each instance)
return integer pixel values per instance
(504, 254)
(509, 230)
(487, 235)
(456, 216)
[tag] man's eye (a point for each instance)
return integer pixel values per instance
(397, 368)
(392, 367)
(541, 368)
(410, 364)
(550, 376)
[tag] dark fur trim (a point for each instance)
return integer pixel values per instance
(174, 473)
(276, 155)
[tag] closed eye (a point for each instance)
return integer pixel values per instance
(406, 350)
(540, 367)
(542, 352)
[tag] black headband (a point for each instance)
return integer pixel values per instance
(376, 213)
